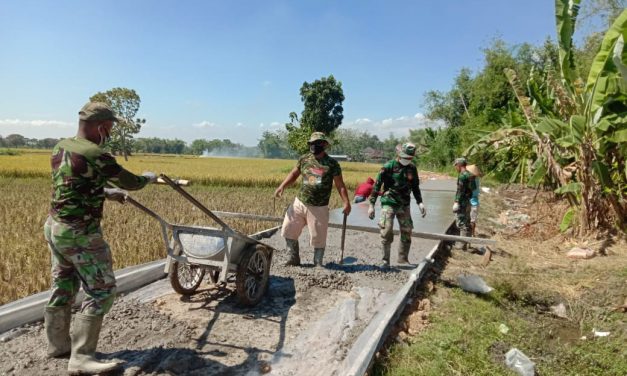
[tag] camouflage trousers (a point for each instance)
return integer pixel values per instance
(386, 224)
(79, 254)
(462, 220)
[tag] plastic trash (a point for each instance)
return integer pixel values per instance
(601, 334)
(485, 189)
(473, 283)
(518, 362)
(503, 329)
(581, 253)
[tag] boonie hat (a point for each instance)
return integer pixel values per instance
(407, 150)
(460, 161)
(318, 136)
(97, 111)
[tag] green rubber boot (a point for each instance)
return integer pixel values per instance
(318, 256)
(84, 342)
(403, 253)
(293, 252)
(57, 328)
(385, 262)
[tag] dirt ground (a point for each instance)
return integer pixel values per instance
(307, 321)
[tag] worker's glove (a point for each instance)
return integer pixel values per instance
(151, 176)
(371, 211)
(423, 210)
(116, 194)
(455, 207)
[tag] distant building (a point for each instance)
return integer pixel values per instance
(341, 157)
(372, 155)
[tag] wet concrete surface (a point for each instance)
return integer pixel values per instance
(305, 325)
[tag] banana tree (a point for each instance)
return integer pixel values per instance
(579, 131)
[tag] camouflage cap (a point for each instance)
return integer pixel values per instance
(318, 136)
(460, 161)
(97, 111)
(407, 150)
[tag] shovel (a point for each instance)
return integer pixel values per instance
(343, 238)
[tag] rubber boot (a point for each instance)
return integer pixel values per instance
(84, 342)
(385, 262)
(403, 253)
(318, 256)
(463, 246)
(292, 249)
(57, 327)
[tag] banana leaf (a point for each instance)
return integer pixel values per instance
(566, 12)
(574, 187)
(604, 72)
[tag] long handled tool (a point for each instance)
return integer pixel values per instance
(343, 238)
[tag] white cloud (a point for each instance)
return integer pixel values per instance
(275, 125)
(35, 123)
(37, 128)
(239, 125)
(266, 83)
(399, 126)
(205, 124)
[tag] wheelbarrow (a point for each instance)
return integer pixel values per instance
(220, 253)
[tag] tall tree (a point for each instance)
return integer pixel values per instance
(323, 111)
(125, 102)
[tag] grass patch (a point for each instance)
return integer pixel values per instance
(464, 338)
(530, 273)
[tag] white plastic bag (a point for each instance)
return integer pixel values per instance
(519, 363)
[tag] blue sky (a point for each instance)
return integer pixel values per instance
(232, 69)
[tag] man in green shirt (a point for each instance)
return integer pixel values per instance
(79, 254)
(311, 205)
(465, 186)
(398, 178)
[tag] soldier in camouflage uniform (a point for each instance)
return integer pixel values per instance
(465, 186)
(311, 206)
(79, 254)
(398, 178)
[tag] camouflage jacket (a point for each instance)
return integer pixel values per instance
(465, 185)
(398, 182)
(80, 170)
(317, 179)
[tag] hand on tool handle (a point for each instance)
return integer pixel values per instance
(279, 192)
(347, 209)
(116, 194)
(151, 176)
(455, 207)
(371, 211)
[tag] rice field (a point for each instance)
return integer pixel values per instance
(237, 185)
(226, 172)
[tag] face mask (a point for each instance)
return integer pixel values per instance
(404, 162)
(104, 136)
(316, 149)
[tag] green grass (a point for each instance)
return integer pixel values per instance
(463, 338)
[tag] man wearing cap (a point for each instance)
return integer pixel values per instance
(79, 253)
(311, 205)
(399, 178)
(465, 186)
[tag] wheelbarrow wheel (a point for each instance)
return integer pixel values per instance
(185, 278)
(253, 275)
